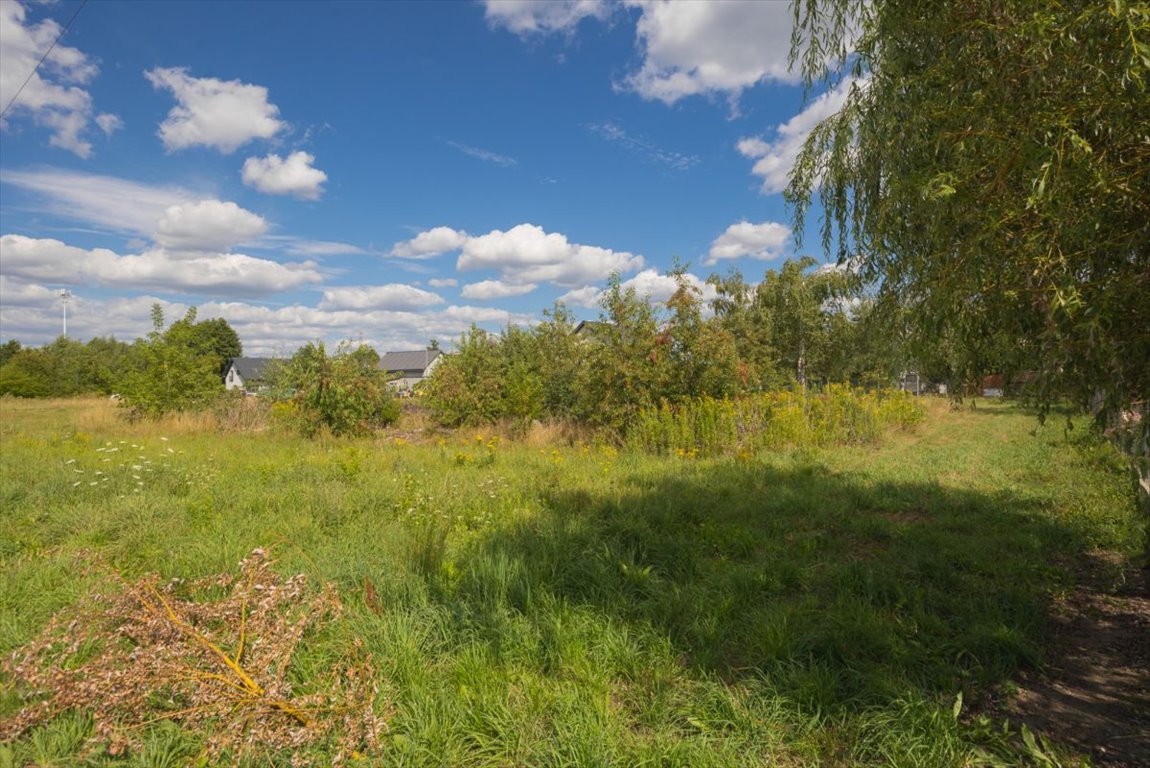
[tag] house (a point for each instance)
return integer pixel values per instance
(246, 373)
(910, 381)
(410, 368)
(589, 329)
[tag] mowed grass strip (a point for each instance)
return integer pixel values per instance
(583, 606)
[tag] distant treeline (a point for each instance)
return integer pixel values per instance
(191, 356)
(797, 328)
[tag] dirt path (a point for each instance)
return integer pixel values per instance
(1095, 692)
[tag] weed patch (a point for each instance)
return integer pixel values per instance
(213, 652)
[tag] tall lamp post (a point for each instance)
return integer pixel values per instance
(65, 297)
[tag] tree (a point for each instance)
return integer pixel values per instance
(991, 169)
(736, 311)
(344, 393)
(699, 357)
(467, 387)
(212, 338)
(7, 350)
(169, 371)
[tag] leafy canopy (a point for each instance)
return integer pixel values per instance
(991, 170)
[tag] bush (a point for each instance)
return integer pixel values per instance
(344, 393)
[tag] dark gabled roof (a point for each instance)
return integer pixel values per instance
(416, 361)
(591, 327)
(251, 368)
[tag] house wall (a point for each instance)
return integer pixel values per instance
(233, 380)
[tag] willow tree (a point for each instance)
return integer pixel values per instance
(991, 169)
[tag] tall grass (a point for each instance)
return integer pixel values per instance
(529, 604)
(773, 420)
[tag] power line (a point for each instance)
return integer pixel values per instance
(42, 59)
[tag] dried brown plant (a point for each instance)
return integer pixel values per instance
(137, 653)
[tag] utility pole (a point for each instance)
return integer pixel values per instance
(65, 297)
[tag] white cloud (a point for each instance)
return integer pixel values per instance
(495, 289)
(293, 176)
(587, 296)
(207, 225)
(648, 284)
(718, 46)
(467, 314)
(31, 313)
(106, 201)
(319, 248)
(658, 288)
(49, 260)
(776, 158)
(53, 96)
(485, 155)
(653, 153)
(39, 323)
(108, 123)
(759, 241)
(526, 253)
(395, 296)
(444, 282)
(526, 17)
(19, 294)
(222, 114)
(429, 243)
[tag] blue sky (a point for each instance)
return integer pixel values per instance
(390, 171)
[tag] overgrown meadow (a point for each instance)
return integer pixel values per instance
(544, 601)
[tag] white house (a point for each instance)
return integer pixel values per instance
(410, 368)
(246, 373)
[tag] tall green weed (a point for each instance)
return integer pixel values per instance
(709, 426)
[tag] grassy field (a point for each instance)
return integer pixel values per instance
(558, 605)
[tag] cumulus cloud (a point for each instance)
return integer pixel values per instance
(392, 296)
(648, 284)
(20, 294)
(50, 260)
(759, 241)
(443, 282)
(495, 289)
(720, 46)
(104, 201)
(109, 123)
(587, 296)
(526, 253)
(207, 225)
(53, 96)
(30, 312)
(775, 159)
(295, 175)
(429, 243)
(39, 322)
(527, 17)
(656, 287)
(222, 114)
(281, 330)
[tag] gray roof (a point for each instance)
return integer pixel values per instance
(408, 362)
(251, 368)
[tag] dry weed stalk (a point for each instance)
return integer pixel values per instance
(147, 652)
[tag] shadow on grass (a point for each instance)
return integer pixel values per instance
(835, 590)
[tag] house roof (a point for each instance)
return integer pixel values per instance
(250, 368)
(590, 327)
(417, 361)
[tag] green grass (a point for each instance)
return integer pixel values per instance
(579, 606)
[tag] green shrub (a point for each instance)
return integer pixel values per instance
(712, 426)
(343, 394)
